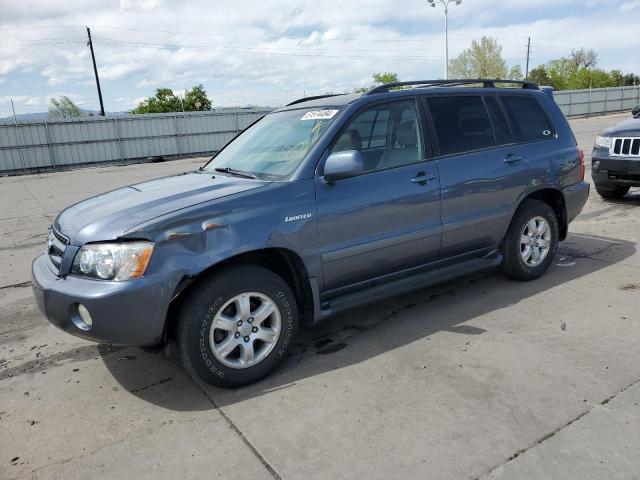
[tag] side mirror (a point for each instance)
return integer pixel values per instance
(341, 165)
(635, 111)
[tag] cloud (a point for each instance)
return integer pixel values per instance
(271, 51)
(629, 6)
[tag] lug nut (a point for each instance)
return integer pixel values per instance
(237, 334)
(254, 329)
(246, 339)
(239, 322)
(250, 320)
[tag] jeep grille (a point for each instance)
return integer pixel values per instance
(625, 147)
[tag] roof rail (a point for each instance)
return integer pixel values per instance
(316, 97)
(486, 83)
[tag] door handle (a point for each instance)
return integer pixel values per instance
(511, 158)
(423, 178)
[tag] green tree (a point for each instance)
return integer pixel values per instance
(384, 77)
(196, 99)
(482, 59)
(63, 107)
(577, 71)
(540, 76)
(379, 78)
(165, 101)
(515, 73)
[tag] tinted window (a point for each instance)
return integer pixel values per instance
(388, 135)
(462, 123)
(501, 130)
(527, 118)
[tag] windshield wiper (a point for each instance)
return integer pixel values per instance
(237, 173)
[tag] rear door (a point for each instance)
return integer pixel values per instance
(482, 170)
(387, 219)
(552, 159)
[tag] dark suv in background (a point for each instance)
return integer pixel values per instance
(321, 206)
(615, 161)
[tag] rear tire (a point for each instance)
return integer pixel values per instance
(531, 241)
(256, 321)
(615, 192)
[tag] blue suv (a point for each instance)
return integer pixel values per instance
(323, 205)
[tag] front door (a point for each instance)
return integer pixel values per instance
(387, 219)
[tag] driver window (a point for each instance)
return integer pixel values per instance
(388, 136)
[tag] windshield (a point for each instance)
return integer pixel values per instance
(274, 146)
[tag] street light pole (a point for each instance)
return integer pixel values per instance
(445, 3)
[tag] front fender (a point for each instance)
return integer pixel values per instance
(280, 215)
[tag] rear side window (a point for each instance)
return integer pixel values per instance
(527, 118)
(499, 122)
(462, 123)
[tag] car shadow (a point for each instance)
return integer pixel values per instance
(155, 375)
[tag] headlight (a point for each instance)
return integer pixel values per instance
(603, 142)
(112, 261)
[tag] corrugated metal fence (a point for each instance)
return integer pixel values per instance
(46, 145)
(597, 101)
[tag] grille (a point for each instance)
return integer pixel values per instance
(625, 147)
(56, 246)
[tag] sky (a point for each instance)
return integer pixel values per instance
(270, 52)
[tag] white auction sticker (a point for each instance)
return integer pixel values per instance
(319, 115)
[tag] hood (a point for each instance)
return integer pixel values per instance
(630, 127)
(107, 216)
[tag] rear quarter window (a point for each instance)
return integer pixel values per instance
(528, 120)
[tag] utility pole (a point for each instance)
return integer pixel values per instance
(445, 3)
(526, 75)
(95, 71)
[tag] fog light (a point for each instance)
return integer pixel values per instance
(595, 164)
(85, 321)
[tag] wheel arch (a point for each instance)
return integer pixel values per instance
(282, 261)
(555, 199)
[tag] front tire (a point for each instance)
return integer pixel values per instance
(531, 241)
(237, 326)
(613, 192)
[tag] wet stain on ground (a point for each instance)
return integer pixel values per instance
(332, 348)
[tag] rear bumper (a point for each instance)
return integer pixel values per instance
(575, 197)
(123, 313)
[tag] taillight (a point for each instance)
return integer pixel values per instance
(581, 157)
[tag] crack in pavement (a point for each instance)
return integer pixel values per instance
(236, 429)
(552, 433)
(17, 285)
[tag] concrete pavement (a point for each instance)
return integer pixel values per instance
(479, 378)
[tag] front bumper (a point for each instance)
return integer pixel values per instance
(575, 197)
(606, 170)
(123, 313)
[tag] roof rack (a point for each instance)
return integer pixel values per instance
(306, 99)
(486, 83)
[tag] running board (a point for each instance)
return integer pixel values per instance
(409, 284)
